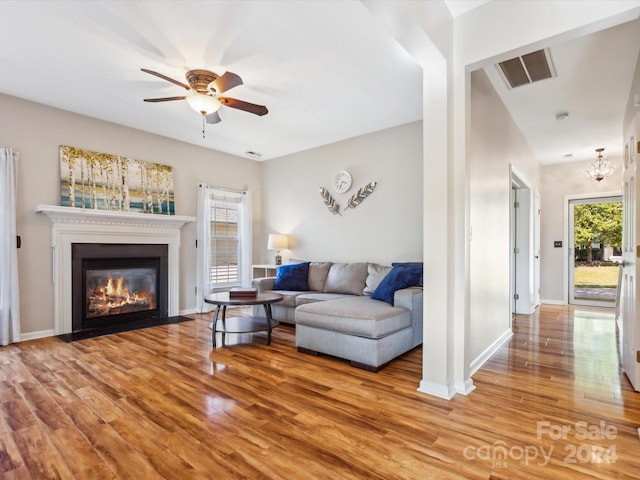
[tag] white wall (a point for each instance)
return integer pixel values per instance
(496, 29)
(634, 96)
(36, 131)
(499, 30)
(386, 227)
(495, 143)
(558, 181)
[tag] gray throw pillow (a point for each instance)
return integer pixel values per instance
(346, 278)
(375, 276)
(318, 272)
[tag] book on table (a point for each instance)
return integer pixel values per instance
(239, 292)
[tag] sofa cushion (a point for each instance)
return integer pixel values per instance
(375, 275)
(313, 297)
(411, 264)
(346, 278)
(289, 297)
(318, 272)
(361, 316)
(294, 276)
(399, 277)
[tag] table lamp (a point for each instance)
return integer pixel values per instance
(277, 242)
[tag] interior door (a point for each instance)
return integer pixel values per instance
(630, 250)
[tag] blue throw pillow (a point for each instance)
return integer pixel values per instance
(411, 264)
(292, 277)
(398, 278)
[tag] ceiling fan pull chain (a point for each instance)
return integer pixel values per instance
(203, 123)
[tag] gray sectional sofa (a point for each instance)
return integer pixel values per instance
(336, 315)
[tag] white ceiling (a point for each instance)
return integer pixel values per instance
(458, 7)
(594, 76)
(325, 69)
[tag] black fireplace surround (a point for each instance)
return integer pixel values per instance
(146, 264)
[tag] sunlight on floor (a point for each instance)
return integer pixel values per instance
(595, 348)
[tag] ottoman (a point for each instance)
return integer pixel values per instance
(369, 333)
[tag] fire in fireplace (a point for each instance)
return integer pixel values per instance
(117, 283)
(111, 292)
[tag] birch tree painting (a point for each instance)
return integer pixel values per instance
(102, 181)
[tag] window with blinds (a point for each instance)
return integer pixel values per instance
(225, 244)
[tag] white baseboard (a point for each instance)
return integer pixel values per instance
(489, 351)
(466, 387)
(552, 302)
(188, 311)
(24, 337)
(437, 390)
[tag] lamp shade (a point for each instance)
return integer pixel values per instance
(277, 241)
(204, 104)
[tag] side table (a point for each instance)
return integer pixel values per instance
(242, 324)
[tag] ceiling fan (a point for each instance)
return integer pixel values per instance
(202, 94)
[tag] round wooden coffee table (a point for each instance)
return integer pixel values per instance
(242, 324)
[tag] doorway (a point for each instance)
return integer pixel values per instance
(595, 241)
(524, 246)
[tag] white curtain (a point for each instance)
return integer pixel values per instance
(203, 239)
(246, 243)
(206, 195)
(9, 292)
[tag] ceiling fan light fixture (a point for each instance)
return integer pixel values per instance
(204, 104)
(601, 168)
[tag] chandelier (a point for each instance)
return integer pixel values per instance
(601, 168)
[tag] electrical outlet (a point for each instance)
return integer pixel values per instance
(557, 244)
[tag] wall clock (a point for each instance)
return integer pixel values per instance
(342, 181)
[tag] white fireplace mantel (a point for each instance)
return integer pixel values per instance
(71, 225)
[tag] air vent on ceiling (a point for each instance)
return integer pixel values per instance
(529, 68)
(253, 154)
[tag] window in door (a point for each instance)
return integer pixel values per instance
(595, 226)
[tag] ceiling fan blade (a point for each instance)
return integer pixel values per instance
(164, 99)
(168, 79)
(213, 118)
(227, 81)
(246, 106)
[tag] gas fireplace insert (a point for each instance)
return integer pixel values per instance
(117, 283)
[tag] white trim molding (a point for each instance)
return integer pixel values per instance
(77, 225)
(437, 390)
(490, 350)
(25, 337)
(466, 387)
(552, 302)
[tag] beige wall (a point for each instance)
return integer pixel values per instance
(36, 131)
(386, 227)
(495, 143)
(558, 181)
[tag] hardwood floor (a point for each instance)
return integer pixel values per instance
(159, 403)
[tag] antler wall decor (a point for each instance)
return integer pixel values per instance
(355, 200)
